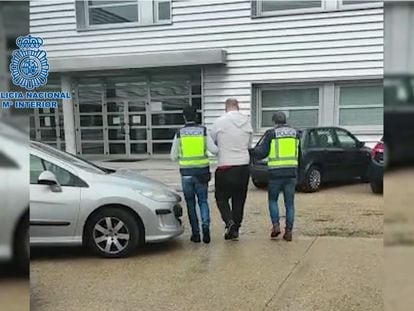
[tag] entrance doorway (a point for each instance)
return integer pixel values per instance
(133, 116)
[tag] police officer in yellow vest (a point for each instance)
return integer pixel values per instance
(190, 147)
(281, 146)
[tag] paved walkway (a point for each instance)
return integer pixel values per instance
(309, 274)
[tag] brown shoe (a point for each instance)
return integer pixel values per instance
(275, 231)
(288, 236)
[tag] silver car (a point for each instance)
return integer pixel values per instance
(14, 194)
(112, 212)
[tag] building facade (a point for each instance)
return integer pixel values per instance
(132, 65)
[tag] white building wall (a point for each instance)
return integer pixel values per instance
(327, 45)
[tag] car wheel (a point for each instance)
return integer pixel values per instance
(377, 186)
(259, 184)
(313, 179)
(22, 245)
(113, 233)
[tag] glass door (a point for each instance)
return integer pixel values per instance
(127, 116)
(117, 127)
(169, 93)
(46, 124)
(90, 127)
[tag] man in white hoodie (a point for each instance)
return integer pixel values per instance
(232, 133)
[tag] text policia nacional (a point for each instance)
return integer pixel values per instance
(21, 100)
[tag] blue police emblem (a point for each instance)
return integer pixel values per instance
(29, 67)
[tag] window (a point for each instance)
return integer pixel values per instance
(361, 3)
(265, 7)
(36, 168)
(162, 11)
(357, 106)
(321, 138)
(346, 140)
(112, 12)
(65, 178)
(284, 7)
(98, 14)
(361, 105)
(301, 106)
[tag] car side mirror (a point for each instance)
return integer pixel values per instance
(49, 179)
(360, 144)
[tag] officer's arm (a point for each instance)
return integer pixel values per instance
(262, 151)
(175, 149)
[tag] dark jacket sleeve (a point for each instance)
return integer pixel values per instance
(262, 150)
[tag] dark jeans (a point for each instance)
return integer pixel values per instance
(286, 185)
(192, 188)
(231, 184)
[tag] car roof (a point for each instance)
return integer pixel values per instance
(308, 128)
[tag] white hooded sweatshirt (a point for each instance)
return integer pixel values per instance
(232, 133)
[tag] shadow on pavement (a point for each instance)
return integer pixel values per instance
(10, 271)
(79, 252)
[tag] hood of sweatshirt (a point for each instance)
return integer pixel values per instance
(238, 119)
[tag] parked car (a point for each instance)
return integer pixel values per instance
(73, 201)
(14, 194)
(325, 154)
(376, 170)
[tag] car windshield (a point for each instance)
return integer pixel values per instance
(72, 159)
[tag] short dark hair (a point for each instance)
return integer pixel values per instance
(279, 117)
(190, 113)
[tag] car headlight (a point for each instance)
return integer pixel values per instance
(157, 195)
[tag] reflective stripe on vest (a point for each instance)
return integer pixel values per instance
(193, 149)
(284, 151)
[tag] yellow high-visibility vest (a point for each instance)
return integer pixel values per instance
(284, 149)
(193, 147)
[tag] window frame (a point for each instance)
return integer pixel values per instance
(337, 108)
(83, 24)
(79, 182)
(373, 4)
(328, 110)
(331, 132)
(340, 145)
(257, 10)
(270, 87)
(326, 6)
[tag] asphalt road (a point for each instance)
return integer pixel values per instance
(334, 263)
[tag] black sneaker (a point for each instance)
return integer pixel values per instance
(229, 233)
(235, 234)
(206, 236)
(195, 238)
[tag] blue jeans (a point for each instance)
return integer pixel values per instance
(287, 186)
(192, 188)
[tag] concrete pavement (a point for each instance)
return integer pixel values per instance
(14, 289)
(399, 240)
(309, 274)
